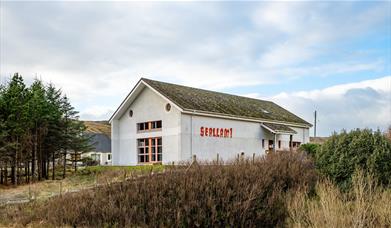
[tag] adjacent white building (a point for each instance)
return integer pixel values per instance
(101, 144)
(160, 122)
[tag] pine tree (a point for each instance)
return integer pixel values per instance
(53, 141)
(3, 135)
(74, 138)
(15, 96)
(38, 126)
(38, 115)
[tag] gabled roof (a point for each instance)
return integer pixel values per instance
(100, 142)
(222, 104)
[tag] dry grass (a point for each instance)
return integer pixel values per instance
(366, 205)
(84, 178)
(280, 190)
(239, 194)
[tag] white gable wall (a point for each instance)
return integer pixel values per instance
(148, 106)
(247, 138)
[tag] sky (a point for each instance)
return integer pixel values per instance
(333, 57)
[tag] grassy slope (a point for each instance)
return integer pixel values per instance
(98, 127)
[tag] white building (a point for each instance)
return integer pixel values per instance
(101, 144)
(163, 122)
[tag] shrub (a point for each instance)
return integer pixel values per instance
(340, 155)
(237, 194)
(88, 161)
(310, 148)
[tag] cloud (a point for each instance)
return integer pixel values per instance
(96, 113)
(346, 106)
(97, 51)
(305, 31)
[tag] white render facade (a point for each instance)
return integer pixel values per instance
(185, 134)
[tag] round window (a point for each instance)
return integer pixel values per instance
(168, 107)
(130, 113)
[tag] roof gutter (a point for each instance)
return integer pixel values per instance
(256, 120)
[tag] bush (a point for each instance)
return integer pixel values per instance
(364, 149)
(237, 194)
(88, 161)
(310, 148)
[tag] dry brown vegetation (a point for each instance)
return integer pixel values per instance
(280, 190)
(366, 205)
(244, 193)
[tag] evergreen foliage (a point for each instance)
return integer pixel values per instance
(38, 127)
(343, 153)
(310, 148)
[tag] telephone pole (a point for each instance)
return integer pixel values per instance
(315, 123)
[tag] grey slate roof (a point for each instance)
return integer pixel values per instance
(100, 142)
(190, 99)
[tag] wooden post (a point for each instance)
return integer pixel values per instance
(290, 142)
(274, 143)
(60, 188)
(194, 158)
(253, 158)
(217, 158)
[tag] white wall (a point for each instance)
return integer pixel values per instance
(103, 157)
(178, 145)
(148, 106)
(247, 138)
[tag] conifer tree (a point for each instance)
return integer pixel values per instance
(38, 126)
(15, 96)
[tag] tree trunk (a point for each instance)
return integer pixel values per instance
(1, 176)
(13, 174)
(25, 172)
(40, 160)
(75, 161)
(53, 166)
(65, 164)
(6, 174)
(28, 171)
(16, 170)
(34, 152)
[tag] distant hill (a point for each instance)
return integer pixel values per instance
(102, 127)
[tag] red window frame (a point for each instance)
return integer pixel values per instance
(150, 150)
(149, 126)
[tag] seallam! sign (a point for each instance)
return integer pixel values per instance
(216, 132)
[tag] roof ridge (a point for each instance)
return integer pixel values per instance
(192, 98)
(223, 93)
